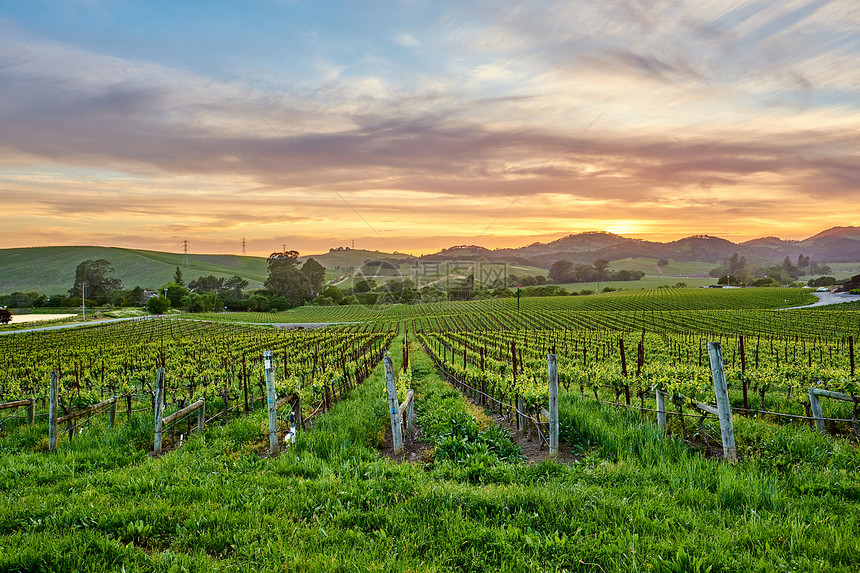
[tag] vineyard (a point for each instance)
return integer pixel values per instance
(222, 365)
(641, 483)
(663, 299)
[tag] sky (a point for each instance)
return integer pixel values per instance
(412, 126)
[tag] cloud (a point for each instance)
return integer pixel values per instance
(406, 40)
(701, 104)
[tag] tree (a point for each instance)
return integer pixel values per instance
(158, 304)
(315, 273)
(5, 316)
(364, 285)
(258, 303)
(177, 277)
(92, 276)
(662, 263)
(822, 281)
(175, 293)
(333, 293)
(286, 280)
(236, 284)
(601, 266)
(135, 297)
(208, 283)
(193, 302)
(736, 264)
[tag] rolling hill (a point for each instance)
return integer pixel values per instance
(51, 270)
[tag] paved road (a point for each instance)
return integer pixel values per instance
(828, 298)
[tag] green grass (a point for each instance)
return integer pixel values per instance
(634, 502)
(51, 270)
(645, 283)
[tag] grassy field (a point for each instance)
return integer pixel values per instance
(647, 282)
(632, 500)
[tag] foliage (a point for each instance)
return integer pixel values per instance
(236, 284)
(92, 276)
(315, 274)
(566, 272)
(286, 279)
(158, 304)
(5, 316)
(209, 283)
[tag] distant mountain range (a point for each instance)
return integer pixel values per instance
(51, 270)
(835, 245)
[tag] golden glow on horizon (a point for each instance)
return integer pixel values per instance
(524, 126)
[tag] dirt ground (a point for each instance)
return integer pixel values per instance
(22, 318)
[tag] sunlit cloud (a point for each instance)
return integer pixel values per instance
(649, 119)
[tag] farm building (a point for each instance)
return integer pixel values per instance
(853, 283)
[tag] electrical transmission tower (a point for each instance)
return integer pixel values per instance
(185, 250)
(244, 245)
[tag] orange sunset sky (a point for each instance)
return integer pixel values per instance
(413, 126)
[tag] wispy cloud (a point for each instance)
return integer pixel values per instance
(711, 107)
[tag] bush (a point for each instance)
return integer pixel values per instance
(158, 304)
(822, 281)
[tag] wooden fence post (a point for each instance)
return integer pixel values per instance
(552, 367)
(271, 398)
(297, 409)
(31, 412)
(410, 413)
(521, 418)
(159, 408)
(815, 406)
(245, 382)
(201, 418)
(112, 416)
(52, 412)
(724, 407)
(661, 410)
(393, 406)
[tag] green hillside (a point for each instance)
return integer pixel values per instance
(51, 270)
